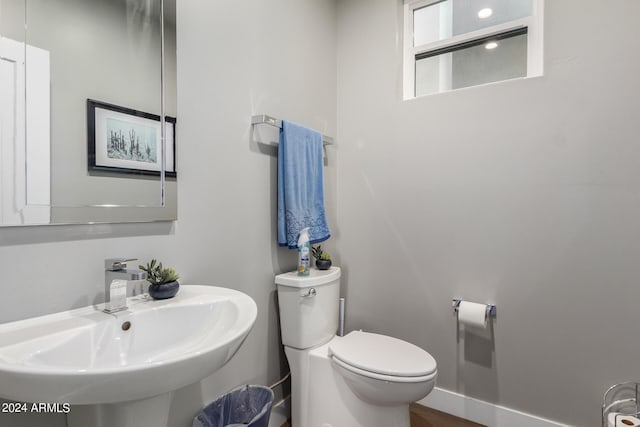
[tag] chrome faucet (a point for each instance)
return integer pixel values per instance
(116, 278)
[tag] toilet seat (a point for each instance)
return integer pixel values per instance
(387, 378)
(382, 357)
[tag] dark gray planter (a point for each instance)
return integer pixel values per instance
(164, 291)
(323, 264)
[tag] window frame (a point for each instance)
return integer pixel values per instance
(533, 25)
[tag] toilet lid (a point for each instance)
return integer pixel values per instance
(382, 355)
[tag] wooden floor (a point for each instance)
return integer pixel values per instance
(422, 416)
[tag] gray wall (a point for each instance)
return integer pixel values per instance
(523, 193)
(235, 59)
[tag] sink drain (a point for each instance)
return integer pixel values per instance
(126, 325)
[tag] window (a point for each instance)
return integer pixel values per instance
(451, 44)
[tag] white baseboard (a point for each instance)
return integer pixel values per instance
(280, 412)
(481, 412)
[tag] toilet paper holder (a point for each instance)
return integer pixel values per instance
(621, 405)
(491, 308)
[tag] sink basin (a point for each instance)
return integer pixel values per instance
(87, 357)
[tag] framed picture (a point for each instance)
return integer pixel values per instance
(124, 140)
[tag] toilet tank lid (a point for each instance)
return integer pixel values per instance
(315, 278)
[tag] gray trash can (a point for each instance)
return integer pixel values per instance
(249, 405)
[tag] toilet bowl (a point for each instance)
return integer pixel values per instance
(361, 379)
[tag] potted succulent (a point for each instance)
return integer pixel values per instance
(323, 258)
(163, 280)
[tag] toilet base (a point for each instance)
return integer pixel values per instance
(320, 397)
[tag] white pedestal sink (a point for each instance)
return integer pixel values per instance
(121, 369)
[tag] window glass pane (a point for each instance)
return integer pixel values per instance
(476, 65)
(454, 17)
(433, 74)
(432, 23)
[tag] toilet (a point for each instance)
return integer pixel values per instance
(360, 379)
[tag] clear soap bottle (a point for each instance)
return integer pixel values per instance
(304, 252)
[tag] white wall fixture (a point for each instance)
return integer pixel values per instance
(113, 368)
(360, 379)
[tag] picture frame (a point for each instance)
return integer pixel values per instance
(124, 140)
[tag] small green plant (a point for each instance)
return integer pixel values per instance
(318, 253)
(157, 274)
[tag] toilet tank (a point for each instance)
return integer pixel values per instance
(308, 307)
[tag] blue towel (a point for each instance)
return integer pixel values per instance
(300, 185)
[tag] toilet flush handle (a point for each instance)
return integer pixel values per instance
(310, 294)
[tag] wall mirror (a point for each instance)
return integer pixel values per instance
(87, 111)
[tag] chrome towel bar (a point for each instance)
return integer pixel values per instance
(263, 119)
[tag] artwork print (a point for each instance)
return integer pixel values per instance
(128, 141)
(123, 140)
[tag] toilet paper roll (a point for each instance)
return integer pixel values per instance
(472, 314)
(618, 420)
